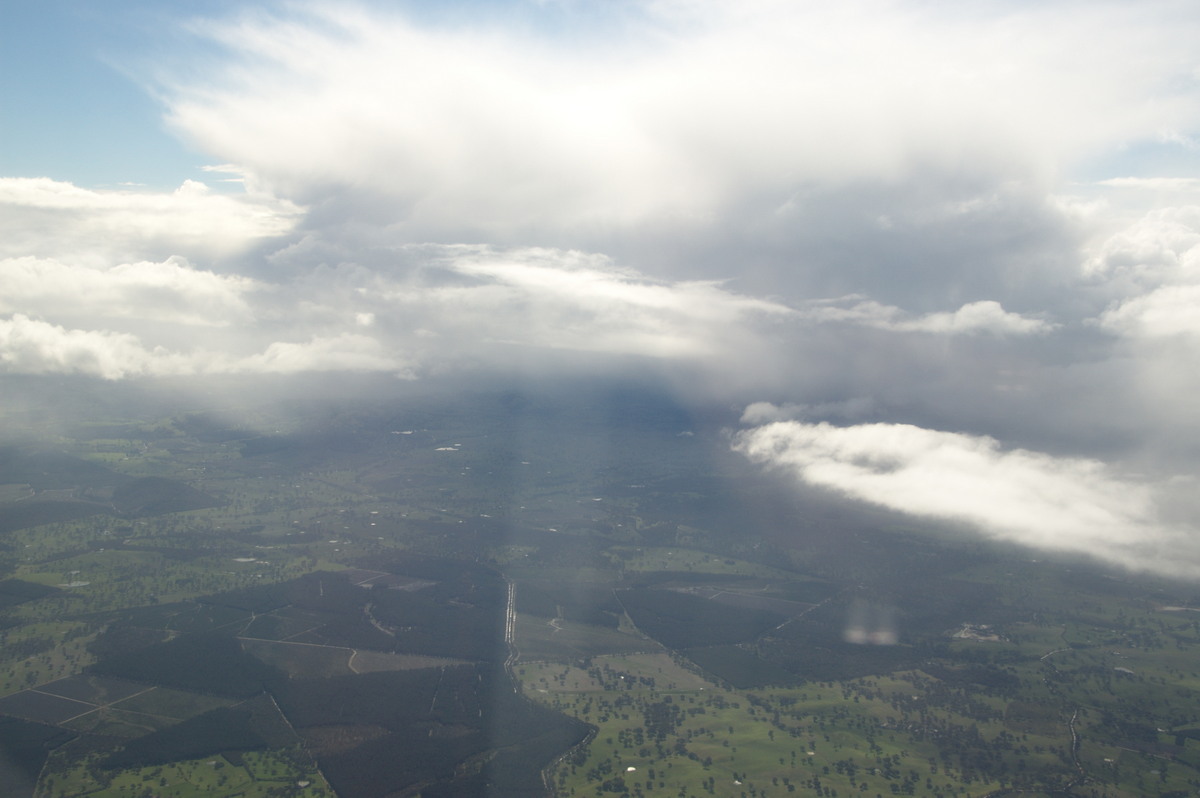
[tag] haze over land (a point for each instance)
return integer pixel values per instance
(942, 261)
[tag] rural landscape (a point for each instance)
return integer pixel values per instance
(581, 593)
(621, 399)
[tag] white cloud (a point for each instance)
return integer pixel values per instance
(689, 111)
(171, 291)
(1055, 503)
(1161, 247)
(985, 316)
(972, 318)
(32, 346)
(345, 352)
(1152, 267)
(766, 412)
(461, 303)
(1164, 184)
(52, 219)
(578, 301)
(1162, 313)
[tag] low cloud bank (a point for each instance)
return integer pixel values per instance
(1059, 504)
(419, 305)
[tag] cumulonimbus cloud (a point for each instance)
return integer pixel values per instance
(1054, 503)
(687, 110)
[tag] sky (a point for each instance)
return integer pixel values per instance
(942, 258)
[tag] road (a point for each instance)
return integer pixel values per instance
(510, 635)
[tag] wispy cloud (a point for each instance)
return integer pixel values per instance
(582, 302)
(1172, 184)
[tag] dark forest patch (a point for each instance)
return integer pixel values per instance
(169, 703)
(750, 601)
(982, 676)
(224, 729)
(26, 514)
(207, 663)
(1034, 717)
(257, 599)
(18, 591)
(24, 747)
(592, 604)
(301, 661)
(93, 689)
(209, 429)
(157, 496)
(456, 618)
(48, 471)
(445, 729)
(739, 667)
(124, 638)
(41, 707)
(678, 620)
(841, 661)
(333, 739)
(141, 627)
